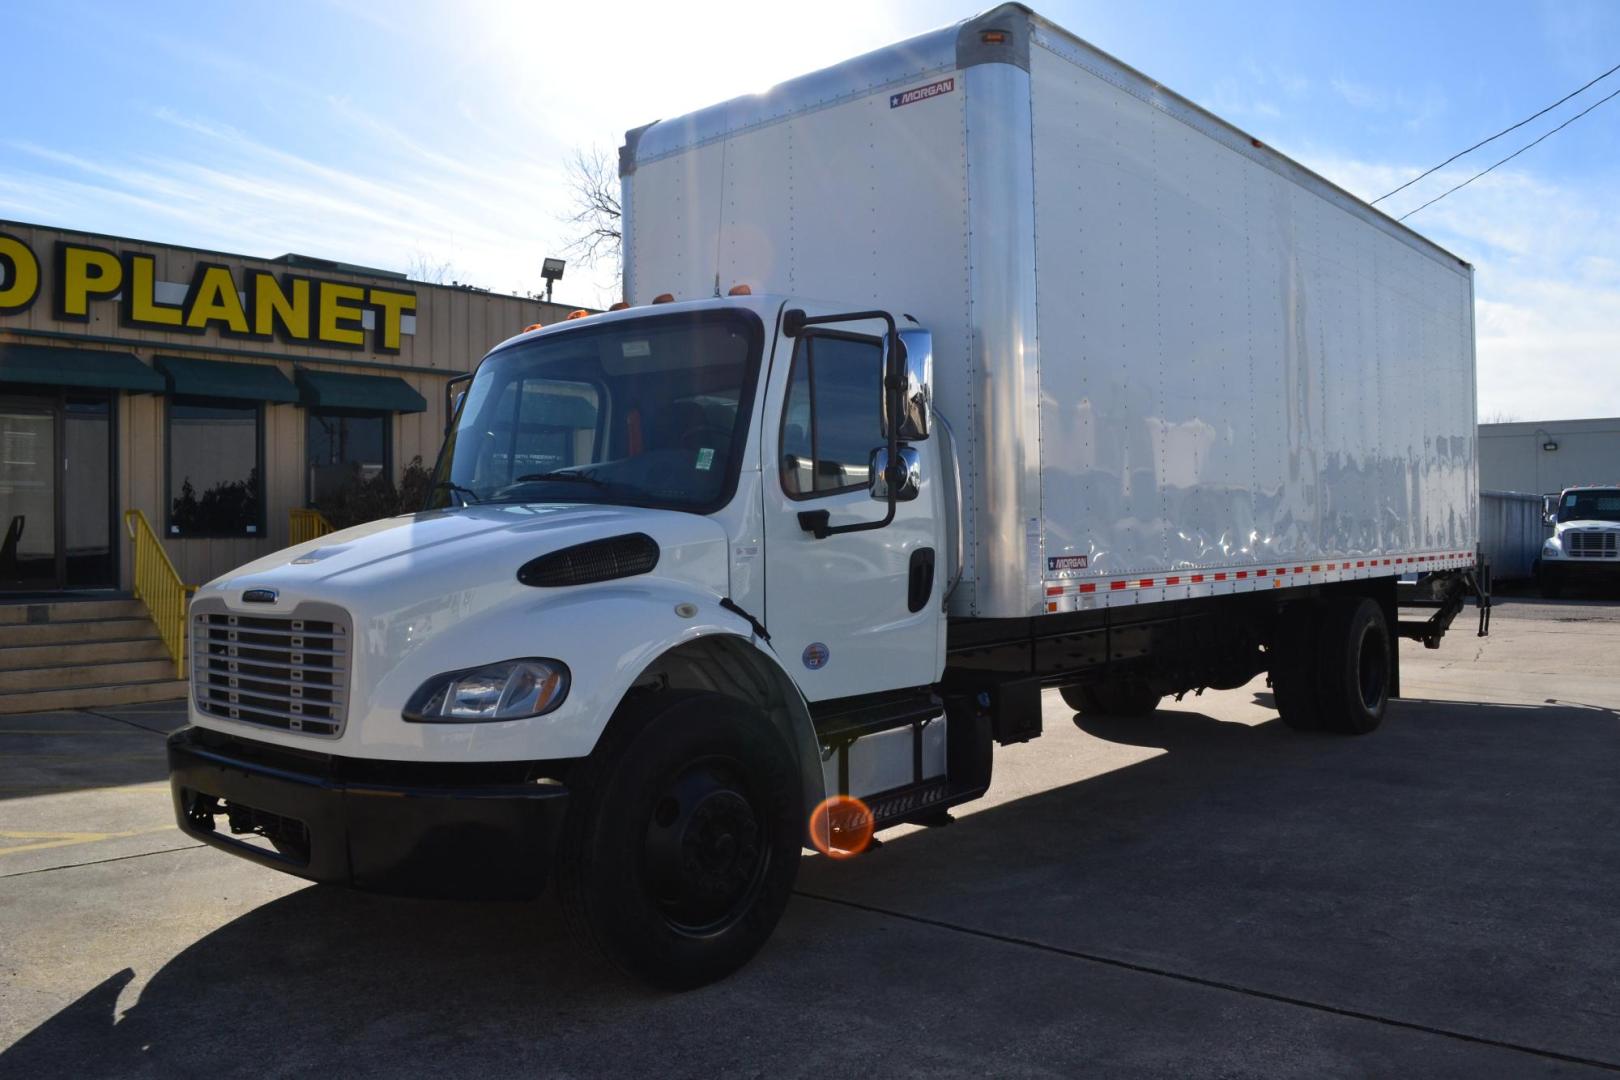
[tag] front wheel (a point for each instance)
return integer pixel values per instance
(1552, 587)
(682, 843)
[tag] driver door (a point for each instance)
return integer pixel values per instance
(845, 613)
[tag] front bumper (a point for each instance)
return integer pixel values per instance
(399, 828)
(1579, 570)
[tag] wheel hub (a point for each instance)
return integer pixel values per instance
(705, 853)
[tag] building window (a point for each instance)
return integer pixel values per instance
(215, 465)
(343, 449)
(832, 419)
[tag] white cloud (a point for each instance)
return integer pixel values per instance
(480, 185)
(1547, 281)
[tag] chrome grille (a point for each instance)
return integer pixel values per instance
(287, 672)
(1592, 543)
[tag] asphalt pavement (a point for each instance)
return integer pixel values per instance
(1203, 893)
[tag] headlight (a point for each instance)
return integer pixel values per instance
(1551, 550)
(510, 690)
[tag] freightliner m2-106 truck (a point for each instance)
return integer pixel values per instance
(968, 368)
(1584, 548)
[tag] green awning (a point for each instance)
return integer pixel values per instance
(223, 379)
(374, 393)
(77, 367)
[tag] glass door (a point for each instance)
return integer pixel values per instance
(56, 492)
(29, 468)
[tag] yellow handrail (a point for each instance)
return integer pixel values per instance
(158, 586)
(306, 525)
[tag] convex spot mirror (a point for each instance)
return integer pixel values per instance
(916, 386)
(911, 474)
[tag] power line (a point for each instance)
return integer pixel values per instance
(1511, 156)
(1493, 138)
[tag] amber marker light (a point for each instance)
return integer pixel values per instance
(622, 305)
(578, 313)
(534, 326)
(664, 298)
(841, 827)
(740, 290)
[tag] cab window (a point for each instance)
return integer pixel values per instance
(831, 419)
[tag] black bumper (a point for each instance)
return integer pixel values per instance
(408, 830)
(1576, 571)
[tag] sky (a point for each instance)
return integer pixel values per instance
(410, 133)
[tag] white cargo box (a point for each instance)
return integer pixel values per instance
(1177, 362)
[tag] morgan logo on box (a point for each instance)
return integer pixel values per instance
(921, 93)
(1066, 562)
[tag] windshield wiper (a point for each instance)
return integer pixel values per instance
(468, 495)
(570, 477)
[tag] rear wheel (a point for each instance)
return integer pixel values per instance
(1293, 666)
(1333, 666)
(1356, 667)
(1128, 699)
(682, 842)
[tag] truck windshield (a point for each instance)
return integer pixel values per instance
(642, 412)
(1590, 506)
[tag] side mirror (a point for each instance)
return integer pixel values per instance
(910, 474)
(1549, 509)
(454, 391)
(917, 382)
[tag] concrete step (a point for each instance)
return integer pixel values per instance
(91, 697)
(67, 633)
(70, 611)
(83, 652)
(73, 674)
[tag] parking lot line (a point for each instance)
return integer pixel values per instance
(48, 839)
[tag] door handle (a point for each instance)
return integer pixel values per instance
(920, 581)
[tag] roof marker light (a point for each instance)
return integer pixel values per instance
(740, 290)
(620, 306)
(994, 37)
(577, 313)
(534, 326)
(664, 298)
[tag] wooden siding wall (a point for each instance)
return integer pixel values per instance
(454, 328)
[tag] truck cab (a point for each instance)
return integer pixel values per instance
(1585, 545)
(682, 577)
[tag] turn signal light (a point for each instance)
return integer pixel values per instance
(664, 298)
(740, 290)
(577, 313)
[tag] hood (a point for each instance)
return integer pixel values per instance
(398, 561)
(1587, 523)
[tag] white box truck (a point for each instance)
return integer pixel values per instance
(970, 367)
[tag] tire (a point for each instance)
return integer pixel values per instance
(1552, 587)
(1133, 700)
(1355, 667)
(682, 839)
(1333, 666)
(1293, 666)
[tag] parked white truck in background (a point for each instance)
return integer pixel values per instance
(970, 367)
(1584, 548)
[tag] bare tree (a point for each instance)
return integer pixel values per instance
(1501, 417)
(594, 214)
(424, 267)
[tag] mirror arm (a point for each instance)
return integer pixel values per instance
(815, 522)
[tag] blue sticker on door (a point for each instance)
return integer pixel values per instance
(816, 656)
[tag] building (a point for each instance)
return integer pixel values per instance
(1540, 457)
(212, 392)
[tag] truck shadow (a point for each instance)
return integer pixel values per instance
(1463, 847)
